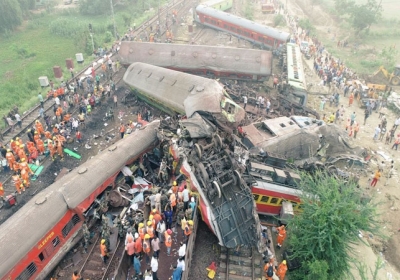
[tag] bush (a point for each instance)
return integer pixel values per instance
(279, 20)
(108, 37)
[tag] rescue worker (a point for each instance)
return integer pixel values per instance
(39, 127)
(36, 137)
(122, 130)
(86, 236)
(1, 190)
(130, 250)
(47, 135)
(172, 199)
(269, 270)
(282, 268)
(168, 241)
(40, 146)
(25, 177)
(10, 158)
(76, 276)
(147, 248)
(59, 143)
(150, 229)
(281, 236)
(17, 182)
(141, 230)
(16, 166)
(51, 148)
(19, 141)
(21, 152)
(138, 245)
(188, 230)
(29, 145)
(103, 251)
(33, 154)
(13, 145)
(24, 165)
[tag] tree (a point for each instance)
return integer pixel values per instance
(363, 16)
(94, 7)
(334, 211)
(10, 15)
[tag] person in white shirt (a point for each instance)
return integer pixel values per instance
(154, 266)
(182, 250)
(128, 234)
(181, 263)
(244, 101)
(185, 195)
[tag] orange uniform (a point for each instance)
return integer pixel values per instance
(16, 166)
(281, 235)
(59, 143)
(1, 190)
(13, 145)
(103, 250)
(10, 159)
(40, 146)
(138, 245)
(51, 149)
(18, 184)
(150, 231)
(36, 137)
(25, 177)
(39, 128)
(24, 165)
(146, 246)
(21, 153)
(47, 134)
(168, 239)
(282, 268)
(29, 145)
(142, 232)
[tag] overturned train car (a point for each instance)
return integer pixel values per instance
(179, 93)
(210, 61)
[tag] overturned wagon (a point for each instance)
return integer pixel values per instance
(210, 61)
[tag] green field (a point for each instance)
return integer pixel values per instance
(39, 44)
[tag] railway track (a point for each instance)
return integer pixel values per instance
(242, 264)
(93, 267)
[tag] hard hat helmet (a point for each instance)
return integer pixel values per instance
(284, 261)
(154, 211)
(22, 159)
(22, 145)
(149, 223)
(175, 183)
(54, 138)
(103, 241)
(17, 138)
(49, 141)
(190, 222)
(36, 121)
(8, 150)
(141, 225)
(36, 132)
(169, 231)
(12, 140)
(147, 236)
(151, 218)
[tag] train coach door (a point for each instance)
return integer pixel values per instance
(219, 23)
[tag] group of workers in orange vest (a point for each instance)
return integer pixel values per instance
(19, 155)
(269, 268)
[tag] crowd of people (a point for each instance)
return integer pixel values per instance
(170, 219)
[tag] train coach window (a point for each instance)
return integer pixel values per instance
(28, 272)
(275, 200)
(55, 241)
(206, 19)
(256, 196)
(67, 228)
(264, 199)
(225, 26)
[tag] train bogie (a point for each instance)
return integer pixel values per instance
(256, 33)
(36, 237)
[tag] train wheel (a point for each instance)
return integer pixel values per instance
(199, 150)
(238, 178)
(218, 141)
(216, 186)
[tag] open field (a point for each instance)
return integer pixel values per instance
(33, 50)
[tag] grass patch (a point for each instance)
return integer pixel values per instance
(44, 41)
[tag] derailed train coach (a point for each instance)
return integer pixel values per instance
(36, 237)
(179, 93)
(209, 61)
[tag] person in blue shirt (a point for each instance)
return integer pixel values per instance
(136, 264)
(177, 274)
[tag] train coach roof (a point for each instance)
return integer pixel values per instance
(245, 23)
(83, 181)
(223, 59)
(24, 230)
(184, 93)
